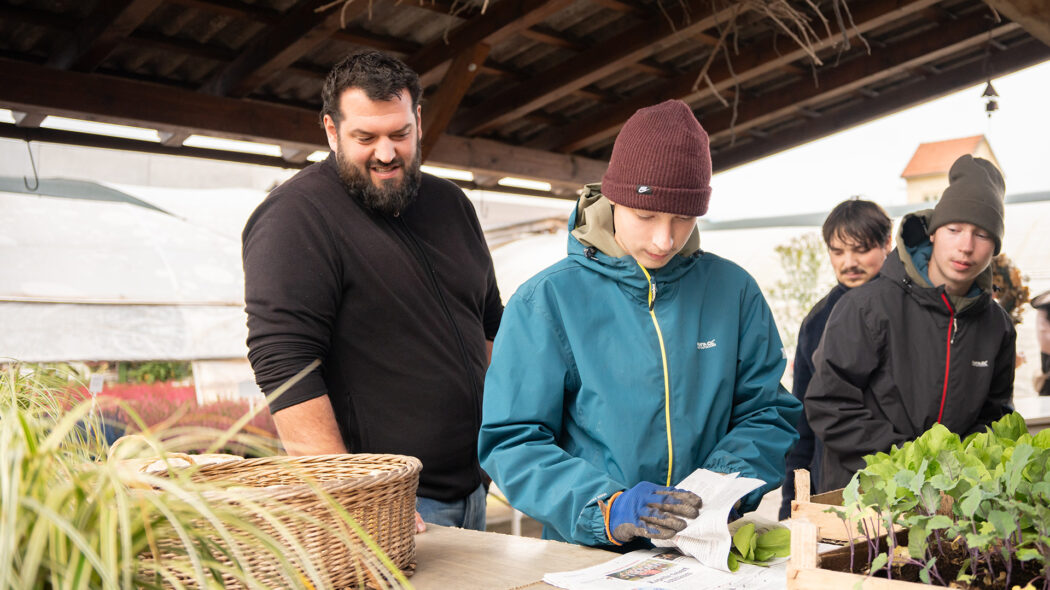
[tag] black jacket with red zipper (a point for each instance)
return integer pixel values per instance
(898, 356)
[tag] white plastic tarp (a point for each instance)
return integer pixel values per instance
(104, 280)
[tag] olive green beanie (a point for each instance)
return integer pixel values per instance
(974, 195)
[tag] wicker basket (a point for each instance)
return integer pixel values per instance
(379, 491)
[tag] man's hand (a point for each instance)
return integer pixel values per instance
(421, 527)
(648, 510)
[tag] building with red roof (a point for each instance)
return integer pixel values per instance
(927, 172)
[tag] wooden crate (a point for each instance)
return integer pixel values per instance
(830, 571)
(813, 508)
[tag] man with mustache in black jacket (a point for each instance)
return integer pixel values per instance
(924, 343)
(857, 234)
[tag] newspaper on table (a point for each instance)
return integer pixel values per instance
(668, 569)
(706, 537)
(705, 543)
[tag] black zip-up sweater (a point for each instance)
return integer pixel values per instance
(398, 309)
(807, 452)
(898, 356)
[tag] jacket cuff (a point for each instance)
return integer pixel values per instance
(606, 507)
(591, 523)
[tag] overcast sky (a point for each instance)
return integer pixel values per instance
(868, 160)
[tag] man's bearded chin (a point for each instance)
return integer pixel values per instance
(389, 198)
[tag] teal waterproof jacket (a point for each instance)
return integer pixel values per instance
(602, 378)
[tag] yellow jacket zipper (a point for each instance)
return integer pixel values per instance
(667, 380)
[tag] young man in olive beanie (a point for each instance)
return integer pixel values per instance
(924, 343)
(637, 359)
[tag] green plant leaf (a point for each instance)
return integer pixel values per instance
(764, 554)
(939, 521)
(1010, 427)
(1042, 439)
(917, 535)
(733, 564)
(879, 562)
(1004, 523)
(1027, 554)
(775, 538)
(742, 538)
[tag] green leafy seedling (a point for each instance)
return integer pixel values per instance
(743, 539)
(758, 549)
(733, 563)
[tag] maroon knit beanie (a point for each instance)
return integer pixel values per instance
(661, 161)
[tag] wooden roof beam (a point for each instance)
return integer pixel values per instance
(848, 78)
(757, 61)
(179, 45)
(601, 60)
(653, 69)
(257, 13)
(1032, 15)
(592, 94)
(26, 86)
(366, 38)
(501, 21)
(299, 31)
(440, 107)
(28, 120)
(33, 88)
(173, 138)
(138, 145)
(234, 8)
(40, 18)
(456, 8)
(566, 173)
(548, 37)
(96, 37)
(620, 6)
(1009, 61)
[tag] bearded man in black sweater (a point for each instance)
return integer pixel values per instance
(382, 273)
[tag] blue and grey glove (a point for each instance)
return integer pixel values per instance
(648, 510)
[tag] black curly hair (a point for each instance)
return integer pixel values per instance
(380, 76)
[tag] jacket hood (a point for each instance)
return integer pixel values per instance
(592, 244)
(913, 252)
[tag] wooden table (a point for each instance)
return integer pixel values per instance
(467, 560)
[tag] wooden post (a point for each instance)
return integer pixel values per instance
(802, 490)
(803, 545)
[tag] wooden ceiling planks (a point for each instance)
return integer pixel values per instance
(530, 88)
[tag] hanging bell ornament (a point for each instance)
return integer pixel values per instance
(992, 105)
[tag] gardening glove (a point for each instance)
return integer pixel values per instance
(648, 510)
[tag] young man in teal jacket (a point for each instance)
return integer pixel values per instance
(637, 359)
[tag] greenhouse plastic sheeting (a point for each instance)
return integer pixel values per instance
(68, 250)
(42, 332)
(87, 279)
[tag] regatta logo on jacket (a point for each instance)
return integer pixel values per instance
(705, 345)
(979, 363)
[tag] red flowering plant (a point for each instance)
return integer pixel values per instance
(172, 407)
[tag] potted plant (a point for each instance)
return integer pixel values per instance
(975, 512)
(74, 515)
